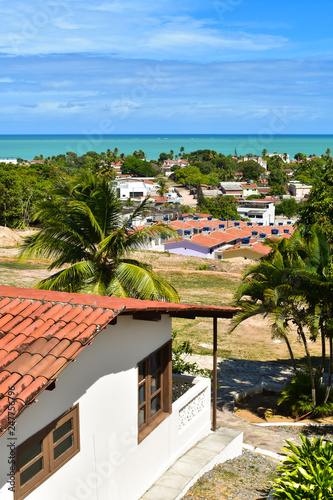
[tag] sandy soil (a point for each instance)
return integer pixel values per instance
(263, 408)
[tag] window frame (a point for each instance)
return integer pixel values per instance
(50, 464)
(164, 390)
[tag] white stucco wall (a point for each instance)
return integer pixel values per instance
(103, 379)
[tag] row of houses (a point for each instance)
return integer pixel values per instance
(217, 239)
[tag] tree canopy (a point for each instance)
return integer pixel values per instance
(82, 229)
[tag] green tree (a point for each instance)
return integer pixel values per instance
(135, 166)
(139, 154)
(82, 228)
(190, 175)
(220, 206)
(288, 207)
(163, 189)
(317, 210)
(251, 170)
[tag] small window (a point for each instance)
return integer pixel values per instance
(45, 452)
(154, 390)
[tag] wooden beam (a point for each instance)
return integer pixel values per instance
(214, 373)
(147, 316)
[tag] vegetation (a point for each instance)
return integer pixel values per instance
(82, 227)
(296, 397)
(307, 472)
(293, 285)
(180, 361)
(288, 207)
(20, 188)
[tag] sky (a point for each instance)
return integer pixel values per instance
(168, 66)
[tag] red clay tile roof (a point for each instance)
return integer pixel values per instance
(41, 332)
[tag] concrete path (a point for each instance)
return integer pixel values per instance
(216, 448)
(256, 437)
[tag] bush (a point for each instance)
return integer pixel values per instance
(296, 398)
(307, 473)
(180, 365)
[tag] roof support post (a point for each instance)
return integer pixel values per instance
(214, 372)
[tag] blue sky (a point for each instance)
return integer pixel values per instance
(185, 66)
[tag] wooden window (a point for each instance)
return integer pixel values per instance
(155, 386)
(45, 452)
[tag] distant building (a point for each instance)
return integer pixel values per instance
(283, 156)
(249, 188)
(298, 189)
(231, 189)
(8, 160)
(258, 159)
(257, 211)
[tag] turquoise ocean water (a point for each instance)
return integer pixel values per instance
(28, 146)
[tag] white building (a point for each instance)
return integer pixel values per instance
(283, 156)
(108, 425)
(135, 188)
(298, 189)
(258, 159)
(8, 160)
(257, 211)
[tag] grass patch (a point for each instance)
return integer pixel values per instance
(21, 265)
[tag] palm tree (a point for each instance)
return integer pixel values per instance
(270, 288)
(316, 283)
(82, 228)
(294, 285)
(163, 189)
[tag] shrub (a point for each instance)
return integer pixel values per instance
(181, 365)
(307, 473)
(296, 398)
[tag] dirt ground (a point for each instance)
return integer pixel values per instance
(263, 408)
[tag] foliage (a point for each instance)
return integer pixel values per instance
(189, 176)
(275, 162)
(251, 170)
(288, 207)
(21, 187)
(220, 206)
(296, 397)
(82, 227)
(293, 284)
(307, 472)
(180, 364)
(318, 209)
(135, 166)
(202, 155)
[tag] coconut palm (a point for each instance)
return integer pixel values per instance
(82, 229)
(270, 288)
(294, 285)
(163, 189)
(316, 284)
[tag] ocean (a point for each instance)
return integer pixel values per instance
(29, 146)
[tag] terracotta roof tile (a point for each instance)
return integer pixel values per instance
(43, 331)
(9, 381)
(5, 339)
(7, 359)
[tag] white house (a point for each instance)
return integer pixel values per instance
(8, 160)
(249, 189)
(257, 211)
(298, 189)
(134, 188)
(89, 408)
(258, 159)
